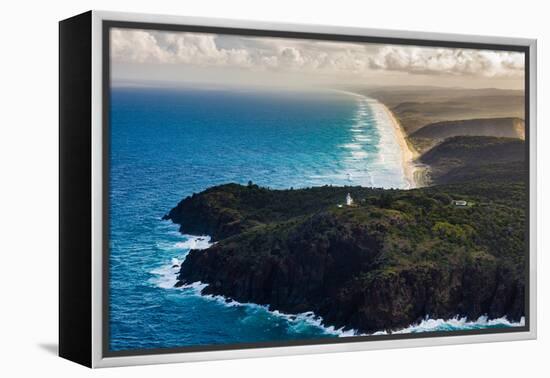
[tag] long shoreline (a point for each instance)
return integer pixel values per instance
(415, 173)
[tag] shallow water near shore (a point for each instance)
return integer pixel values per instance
(168, 144)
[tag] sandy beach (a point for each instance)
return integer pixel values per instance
(415, 173)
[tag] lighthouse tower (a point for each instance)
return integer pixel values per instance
(349, 200)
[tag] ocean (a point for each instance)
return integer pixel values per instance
(166, 144)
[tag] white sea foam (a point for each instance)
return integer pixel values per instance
(454, 324)
(298, 321)
(359, 154)
(295, 321)
(195, 286)
(362, 138)
(191, 242)
(371, 164)
(166, 277)
(194, 242)
(383, 160)
(352, 146)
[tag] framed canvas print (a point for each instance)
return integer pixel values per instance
(233, 189)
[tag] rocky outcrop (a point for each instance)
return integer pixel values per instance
(383, 264)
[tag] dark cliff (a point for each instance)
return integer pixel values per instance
(382, 264)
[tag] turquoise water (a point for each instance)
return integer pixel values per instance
(167, 144)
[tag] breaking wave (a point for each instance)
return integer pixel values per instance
(456, 324)
(166, 277)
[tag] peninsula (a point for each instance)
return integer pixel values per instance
(389, 258)
(383, 263)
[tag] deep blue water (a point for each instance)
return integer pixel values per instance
(167, 144)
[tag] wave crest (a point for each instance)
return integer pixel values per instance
(166, 277)
(195, 242)
(456, 324)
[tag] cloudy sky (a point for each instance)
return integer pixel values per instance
(179, 57)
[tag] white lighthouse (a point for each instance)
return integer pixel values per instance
(349, 200)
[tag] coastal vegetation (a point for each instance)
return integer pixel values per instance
(387, 261)
(432, 119)
(416, 107)
(434, 133)
(392, 257)
(476, 158)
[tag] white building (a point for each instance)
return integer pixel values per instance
(349, 200)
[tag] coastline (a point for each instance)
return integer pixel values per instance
(140, 253)
(165, 278)
(415, 173)
(240, 268)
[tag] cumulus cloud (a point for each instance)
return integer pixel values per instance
(139, 46)
(305, 56)
(440, 61)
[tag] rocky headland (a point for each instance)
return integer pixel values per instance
(383, 263)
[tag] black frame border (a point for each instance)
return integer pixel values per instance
(107, 25)
(75, 189)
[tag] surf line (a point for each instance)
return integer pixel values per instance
(166, 277)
